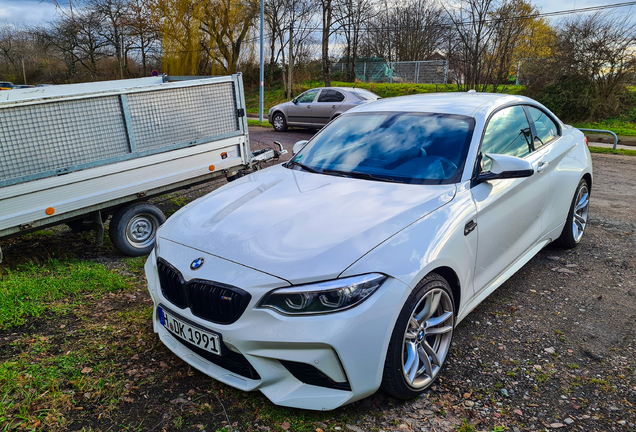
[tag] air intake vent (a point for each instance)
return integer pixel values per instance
(212, 301)
(308, 374)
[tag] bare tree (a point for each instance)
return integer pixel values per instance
(142, 30)
(352, 16)
(410, 30)
(79, 40)
(598, 47)
(113, 15)
(474, 33)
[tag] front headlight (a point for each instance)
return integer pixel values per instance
(323, 297)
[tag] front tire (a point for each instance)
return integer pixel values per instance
(279, 122)
(421, 339)
(133, 228)
(577, 217)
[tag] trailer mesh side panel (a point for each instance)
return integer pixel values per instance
(53, 136)
(168, 117)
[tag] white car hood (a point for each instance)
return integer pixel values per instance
(300, 226)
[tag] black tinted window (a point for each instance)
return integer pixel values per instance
(404, 147)
(331, 96)
(546, 128)
(508, 132)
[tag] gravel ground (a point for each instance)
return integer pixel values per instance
(552, 348)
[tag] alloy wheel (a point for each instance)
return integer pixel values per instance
(581, 209)
(427, 338)
(278, 122)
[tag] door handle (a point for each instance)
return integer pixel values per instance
(469, 227)
(308, 106)
(542, 166)
(333, 106)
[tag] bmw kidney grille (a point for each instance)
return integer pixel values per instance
(212, 301)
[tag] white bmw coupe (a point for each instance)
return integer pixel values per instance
(348, 268)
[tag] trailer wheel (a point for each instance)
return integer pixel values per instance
(133, 228)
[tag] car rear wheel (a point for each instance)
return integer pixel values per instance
(279, 122)
(421, 339)
(577, 217)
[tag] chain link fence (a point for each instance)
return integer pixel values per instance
(424, 72)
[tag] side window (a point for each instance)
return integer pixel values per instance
(308, 96)
(331, 96)
(508, 132)
(338, 97)
(546, 128)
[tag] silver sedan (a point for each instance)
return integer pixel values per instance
(317, 107)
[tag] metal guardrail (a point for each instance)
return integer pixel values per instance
(602, 131)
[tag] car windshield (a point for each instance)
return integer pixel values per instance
(389, 146)
(363, 94)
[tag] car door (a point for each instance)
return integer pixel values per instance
(553, 149)
(328, 102)
(509, 211)
(299, 113)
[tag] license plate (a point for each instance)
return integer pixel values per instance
(205, 340)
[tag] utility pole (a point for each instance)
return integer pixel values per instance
(291, 63)
(121, 59)
(260, 102)
(23, 72)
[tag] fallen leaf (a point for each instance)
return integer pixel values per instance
(285, 426)
(87, 370)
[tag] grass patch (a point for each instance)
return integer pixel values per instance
(254, 122)
(623, 152)
(386, 90)
(275, 96)
(618, 126)
(48, 377)
(33, 289)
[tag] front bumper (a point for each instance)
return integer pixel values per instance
(348, 347)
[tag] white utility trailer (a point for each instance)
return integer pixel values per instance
(78, 153)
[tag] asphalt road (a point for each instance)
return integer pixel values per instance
(261, 137)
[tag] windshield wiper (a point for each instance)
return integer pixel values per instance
(292, 162)
(356, 174)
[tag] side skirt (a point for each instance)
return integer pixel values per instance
(504, 276)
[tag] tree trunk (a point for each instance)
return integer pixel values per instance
(326, 30)
(290, 89)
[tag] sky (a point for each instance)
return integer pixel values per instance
(33, 12)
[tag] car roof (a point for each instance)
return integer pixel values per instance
(465, 103)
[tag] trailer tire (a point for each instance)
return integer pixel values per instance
(134, 227)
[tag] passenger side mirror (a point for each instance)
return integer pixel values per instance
(505, 167)
(298, 147)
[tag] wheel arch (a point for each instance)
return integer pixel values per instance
(453, 280)
(588, 178)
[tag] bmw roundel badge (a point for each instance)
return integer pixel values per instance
(196, 264)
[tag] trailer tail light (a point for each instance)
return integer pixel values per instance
(49, 211)
(212, 167)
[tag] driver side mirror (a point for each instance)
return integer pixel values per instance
(295, 101)
(505, 167)
(298, 147)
